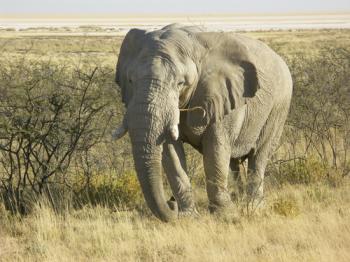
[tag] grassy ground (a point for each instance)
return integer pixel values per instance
(299, 222)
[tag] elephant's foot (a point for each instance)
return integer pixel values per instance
(256, 203)
(255, 193)
(189, 212)
(220, 202)
(184, 209)
(225, 210)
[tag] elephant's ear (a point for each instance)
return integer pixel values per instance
(129, 49)
(221, 89)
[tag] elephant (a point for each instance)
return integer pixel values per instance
(225, 94)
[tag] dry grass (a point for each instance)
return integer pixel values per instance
(105, 48)
(301, 223)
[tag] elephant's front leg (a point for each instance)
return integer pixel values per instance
(174, 164)
(216, 159)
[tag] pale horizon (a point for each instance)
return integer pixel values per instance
(161, 15)
(218, 15)
(96, 8)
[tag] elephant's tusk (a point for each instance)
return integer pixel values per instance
(174, 132)
(120, 131)
(194, 109)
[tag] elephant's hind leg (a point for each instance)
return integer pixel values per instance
(174, 164)
(257, 161)
(236, 174)
(216, 159)
(255, 186)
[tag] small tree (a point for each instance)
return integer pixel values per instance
(319, 119)
(48, 114)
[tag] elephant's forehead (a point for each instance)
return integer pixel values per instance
(169, 40)
(160, 53)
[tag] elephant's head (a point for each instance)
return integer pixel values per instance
(157, 73)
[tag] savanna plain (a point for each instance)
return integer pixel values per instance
(70, 193)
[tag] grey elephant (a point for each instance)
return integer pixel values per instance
(225, 94)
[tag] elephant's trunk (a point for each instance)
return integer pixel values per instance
(147, 133)
(147, 162)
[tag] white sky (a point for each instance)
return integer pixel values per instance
(170, 6)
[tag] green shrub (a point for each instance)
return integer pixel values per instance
(123, 192)
(308, 171)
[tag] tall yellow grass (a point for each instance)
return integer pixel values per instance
(300, 223)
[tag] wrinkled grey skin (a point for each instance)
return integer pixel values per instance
(238, 93)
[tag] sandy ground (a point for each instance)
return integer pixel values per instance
(121, 24)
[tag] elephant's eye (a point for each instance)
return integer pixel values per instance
(130, 81)
(181, 83)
